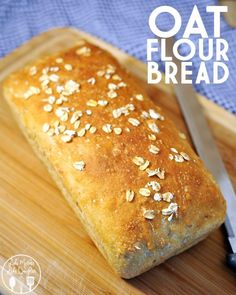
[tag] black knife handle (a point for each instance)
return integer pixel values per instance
(231, 260)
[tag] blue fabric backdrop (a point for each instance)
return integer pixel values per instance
(123, 23)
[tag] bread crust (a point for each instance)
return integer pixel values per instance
(106, 194)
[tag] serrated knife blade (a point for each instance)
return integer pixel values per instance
(206, 148)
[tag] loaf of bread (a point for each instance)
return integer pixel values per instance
(132, 179)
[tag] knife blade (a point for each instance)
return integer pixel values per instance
(206, 148)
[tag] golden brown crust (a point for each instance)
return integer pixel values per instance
(131, 242)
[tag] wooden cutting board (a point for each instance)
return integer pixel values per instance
(36, 220)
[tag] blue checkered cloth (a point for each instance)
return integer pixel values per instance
(122, 23)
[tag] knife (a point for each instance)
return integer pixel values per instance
(206, 148)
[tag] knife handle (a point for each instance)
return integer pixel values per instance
(231, 260)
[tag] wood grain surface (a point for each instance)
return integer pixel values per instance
(36, 220)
